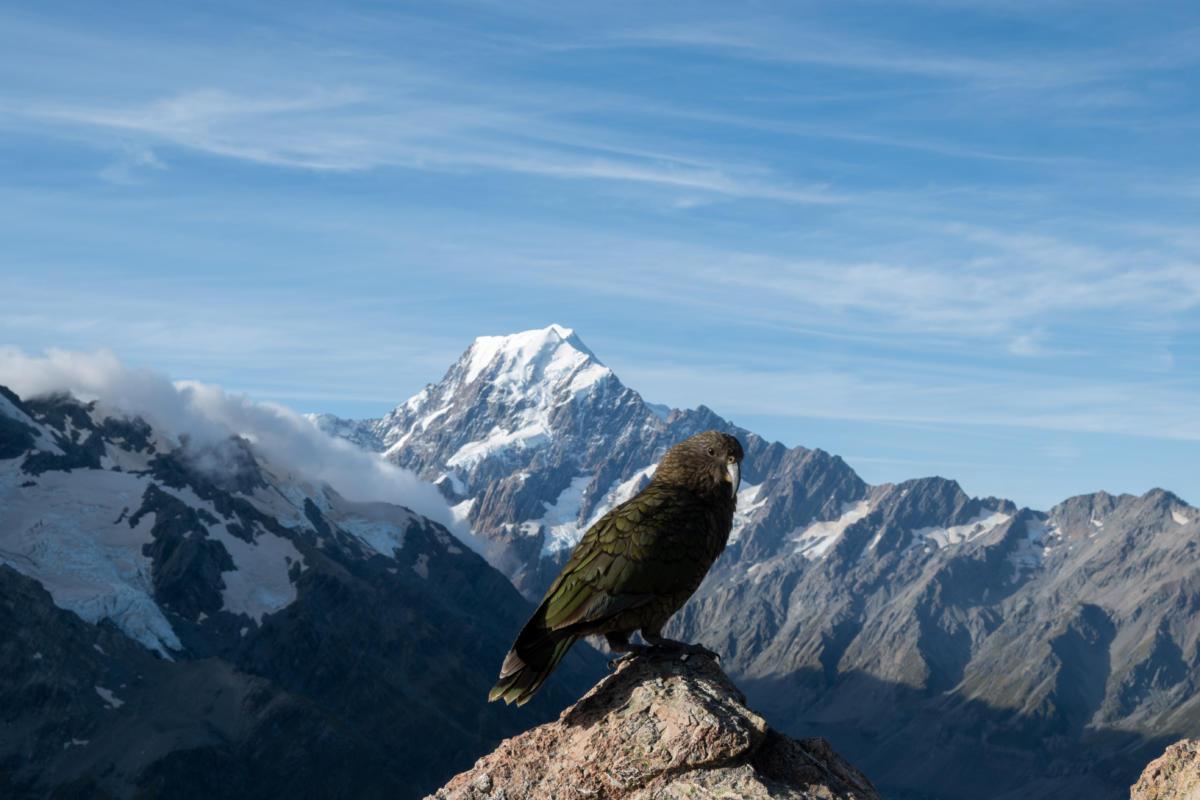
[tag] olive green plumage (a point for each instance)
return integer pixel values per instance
(636, 566)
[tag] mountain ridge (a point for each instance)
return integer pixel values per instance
(1063, 632)
(473, 473)
(190, 619)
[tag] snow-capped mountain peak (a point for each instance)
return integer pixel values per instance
(550, 356)
(518, 384)
(504, 399)
(531, 437)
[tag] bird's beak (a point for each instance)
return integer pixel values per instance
(734, 473)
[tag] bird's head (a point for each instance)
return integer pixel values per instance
(708, 462)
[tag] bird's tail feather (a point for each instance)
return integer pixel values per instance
(532, 658)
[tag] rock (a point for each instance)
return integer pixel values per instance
(1175, 775)
(660, 728)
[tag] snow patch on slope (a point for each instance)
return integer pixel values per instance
(817, 539)
(957, 534)
(1041, 536)
(381, 536)
(107, 695)
(63, 532)
(43, 440)
(260, 583)
(1179, 517)
(620, 492)
(9, 410)
(562, 518)
(462, 511)
(748, 502)
(497, 441)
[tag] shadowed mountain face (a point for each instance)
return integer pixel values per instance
(187, 621)
(952, 647)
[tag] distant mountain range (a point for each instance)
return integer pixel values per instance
(192, 621)
(950, 646)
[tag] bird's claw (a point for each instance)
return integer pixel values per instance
(633, 652)
(681, 650)
(698, 650)
(613, 663)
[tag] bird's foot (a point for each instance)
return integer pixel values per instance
(633, 651)
(694, 650)
(664, 648)
(683, 649)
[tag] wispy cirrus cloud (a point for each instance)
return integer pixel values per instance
(1009, 285)
(131, 163)
(810, 43)
(352, 130)
(909, 394)
(773, 41)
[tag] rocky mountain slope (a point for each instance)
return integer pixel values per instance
(953, 647)
(180, 620)
(1054, 650)
(661, 729)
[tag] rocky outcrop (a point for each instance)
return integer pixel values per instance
(660, 728)
(1175, 775)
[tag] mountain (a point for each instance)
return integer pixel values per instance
(1039, 652)
(660, 728)
(951, 646)
(187, 619)
(531, 437)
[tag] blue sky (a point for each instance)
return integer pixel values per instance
(953, 238)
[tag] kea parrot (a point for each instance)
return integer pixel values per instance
(635, 567)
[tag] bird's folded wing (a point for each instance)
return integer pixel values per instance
(628, 558)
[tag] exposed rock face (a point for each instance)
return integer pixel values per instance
(660, 728)
(169, 629)
(1175, 775)
(1064, 643)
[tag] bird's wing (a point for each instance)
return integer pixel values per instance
(624, 560)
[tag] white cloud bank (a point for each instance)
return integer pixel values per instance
(209, 415)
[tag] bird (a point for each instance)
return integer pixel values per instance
(635, 567)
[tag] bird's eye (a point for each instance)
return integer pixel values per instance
(712, 452)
